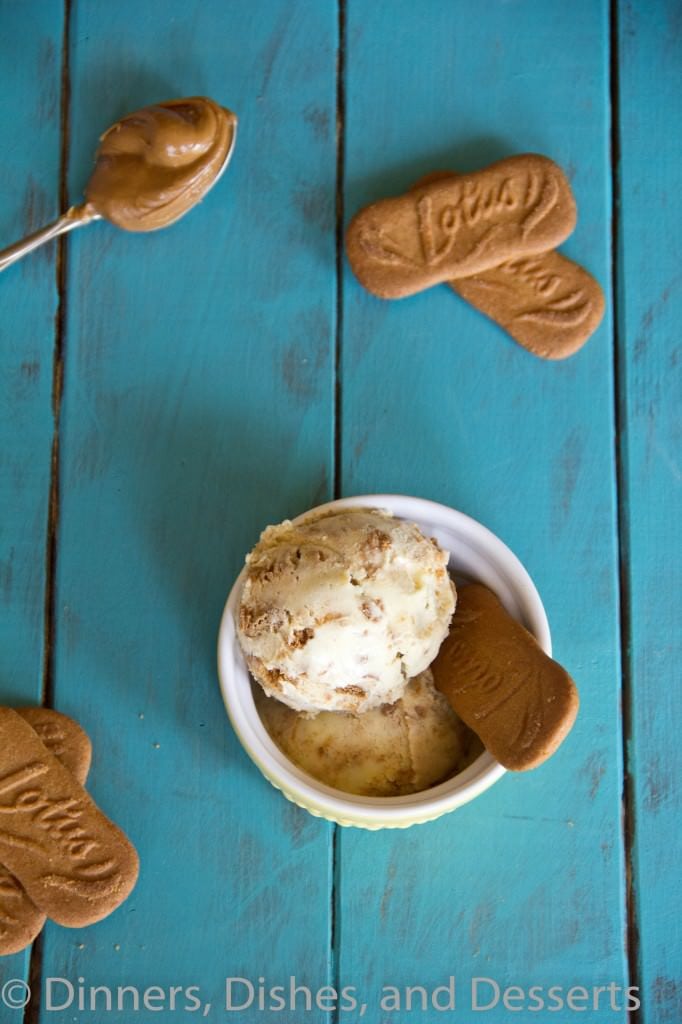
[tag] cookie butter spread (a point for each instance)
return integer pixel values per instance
(156, 164)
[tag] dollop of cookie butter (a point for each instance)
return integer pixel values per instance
(154, 165)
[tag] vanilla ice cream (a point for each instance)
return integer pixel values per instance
(341, 609)
(392, 750)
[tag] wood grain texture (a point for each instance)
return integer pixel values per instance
(29, 189)
(650, 313)
(197, 408)
(29, 186)
(199, 405)
(525, 885)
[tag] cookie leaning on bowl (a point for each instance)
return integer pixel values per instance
(520, 702)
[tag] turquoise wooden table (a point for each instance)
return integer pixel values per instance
(166, 396)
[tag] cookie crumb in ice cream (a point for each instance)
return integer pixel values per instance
(301, 637)
(372, 609)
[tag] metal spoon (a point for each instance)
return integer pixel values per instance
(77, 217)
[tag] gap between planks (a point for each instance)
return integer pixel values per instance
(340, 183)
(632, 950)
(57, 374)
(35, 968)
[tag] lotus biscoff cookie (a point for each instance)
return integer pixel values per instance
(459, 226)
(63, 737)
(20, 919)
(73, 862)
(547, 303)
(497, 678)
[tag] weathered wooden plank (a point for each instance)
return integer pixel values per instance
(525, 885)
(197, 407)
(650, 312)
(30, 58)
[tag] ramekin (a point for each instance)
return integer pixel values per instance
(476, 554)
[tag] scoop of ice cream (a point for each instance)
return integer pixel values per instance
(340, 610)
(392, 750)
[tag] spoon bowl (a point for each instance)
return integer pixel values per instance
(87, 212)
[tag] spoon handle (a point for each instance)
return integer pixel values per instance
(75, 217)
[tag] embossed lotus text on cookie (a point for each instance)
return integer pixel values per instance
(74, 863)
(546, 302)
(20, 919)
(497, 678)
(459, 226)
(63, 737)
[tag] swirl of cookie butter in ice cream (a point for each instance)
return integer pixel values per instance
(340, 609)
(154, 165)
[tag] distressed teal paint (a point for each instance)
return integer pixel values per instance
(197, 408)
(650, 313)
(199, 405)
(30, 58)
(29, 186)
(525, 885)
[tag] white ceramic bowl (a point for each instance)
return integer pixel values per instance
(475, 554)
